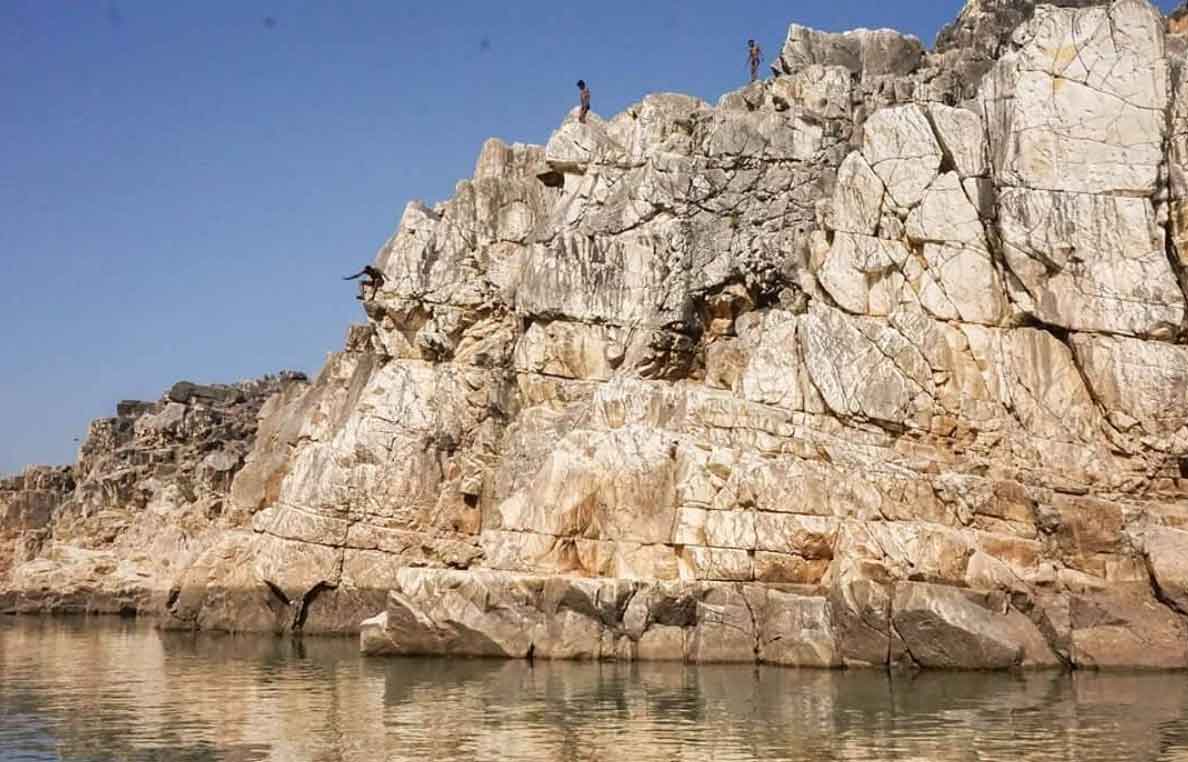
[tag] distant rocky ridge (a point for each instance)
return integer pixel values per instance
(151, 490)
(881, 361)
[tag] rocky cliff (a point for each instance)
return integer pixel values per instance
(150, 491)
(880, 361)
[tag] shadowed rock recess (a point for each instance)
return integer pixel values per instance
(879, 362)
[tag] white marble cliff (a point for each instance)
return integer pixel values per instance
(880, 361)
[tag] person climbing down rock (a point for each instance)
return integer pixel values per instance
(584, 95)
(754, 58)
(375, 279)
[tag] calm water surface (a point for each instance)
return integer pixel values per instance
(102, 690)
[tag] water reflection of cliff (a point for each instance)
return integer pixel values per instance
(128, 693)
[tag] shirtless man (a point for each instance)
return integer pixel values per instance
(584, 94)
(375, 279)
(754, 58)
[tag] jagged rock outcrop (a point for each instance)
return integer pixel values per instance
(878, 362)
(150, 489)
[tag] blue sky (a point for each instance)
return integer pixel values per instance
(182, 184)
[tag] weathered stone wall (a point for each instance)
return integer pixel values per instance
(880, 361)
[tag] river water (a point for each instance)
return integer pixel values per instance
(112, 690)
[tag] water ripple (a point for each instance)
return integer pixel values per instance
(103, 690)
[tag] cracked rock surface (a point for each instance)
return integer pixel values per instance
(878, 362)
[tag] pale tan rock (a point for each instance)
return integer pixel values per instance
(858, 198)
(569, 350)
(623, 280)
(1089, 262)
(870, 52)
(662, 643)
(797, 632)
(774, 373)
(576, 146)
(717, 529)
(295, 568)
(725, 364)
(655, 125)
(780, 568)
(1021, 554)
(1167, 555)
(769, 134)
(716, 564)
(900, 146)
(946, 216)
(821, 92)
(962, 137)
(810, 537)
(221, 591)
(753, 382)
(864, 275)
(150, 495)
(1034, 373)
(917, 550)
(863, 368)
(1120, 631)
(861, 615)
(1145, 380)
(570, 496)
(1080, 106)
(791, 486)
(726, 629)
(969, 281)
(986, 572)
(1083, 527)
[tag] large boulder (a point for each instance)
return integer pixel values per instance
(1125, 631)
(864, 52)
(948, 628)
(1167, 556)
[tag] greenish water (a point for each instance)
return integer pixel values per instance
(104, 690)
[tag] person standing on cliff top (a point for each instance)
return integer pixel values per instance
(754, 58)
(584, 95)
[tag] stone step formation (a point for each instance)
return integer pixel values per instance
(880, 361)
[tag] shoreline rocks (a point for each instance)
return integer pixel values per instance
(439, 612)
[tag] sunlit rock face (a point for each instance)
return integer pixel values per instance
(877, 362)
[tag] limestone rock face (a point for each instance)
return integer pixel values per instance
(902, 149)
(878, 362)
(1081, 105)
(1127, 288)
(1077, 124)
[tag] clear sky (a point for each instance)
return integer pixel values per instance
(183, 184)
